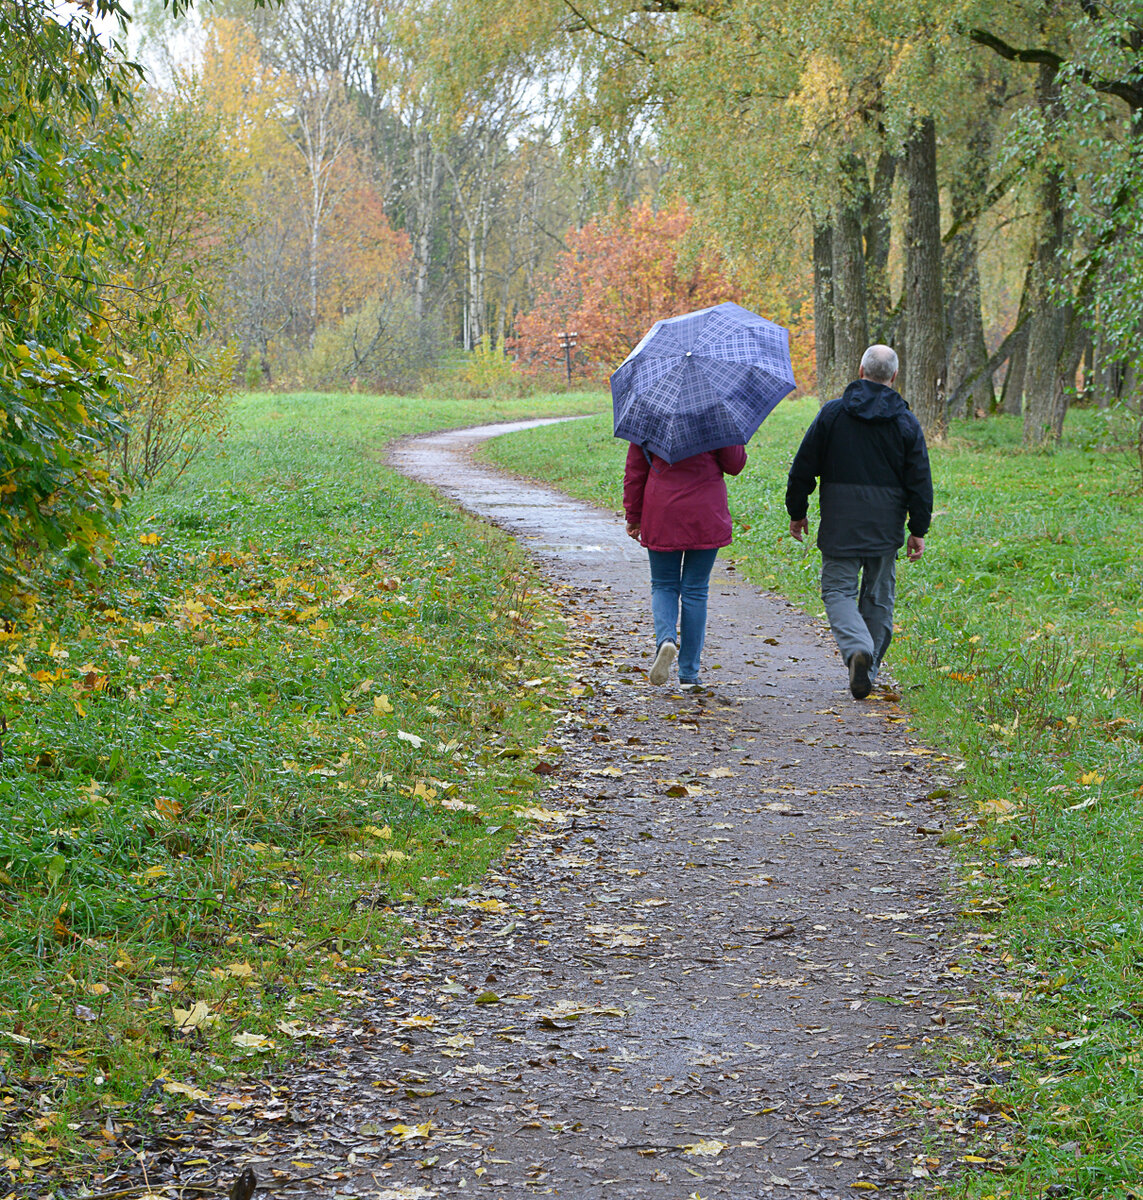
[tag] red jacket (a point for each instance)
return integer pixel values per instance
(681, 506)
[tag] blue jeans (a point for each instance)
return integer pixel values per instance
(681, 577)
(859, 595)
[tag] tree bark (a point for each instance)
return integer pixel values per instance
(967, 351)
(878, 233)
(850, 320)
(1012, 393)
(823, 311)
(924, 336)
(1044, 384)
(1107, 372)
(428, 172)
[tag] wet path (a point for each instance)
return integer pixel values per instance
(711, 972)
(552, 526)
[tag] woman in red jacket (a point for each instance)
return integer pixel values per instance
(679, 512)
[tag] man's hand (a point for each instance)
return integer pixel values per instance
(799, 529)
(914, 547)
(633, 530)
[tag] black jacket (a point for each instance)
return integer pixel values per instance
(869, 452)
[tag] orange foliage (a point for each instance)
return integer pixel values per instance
(365, 256)
(623, 272)
(620, 274)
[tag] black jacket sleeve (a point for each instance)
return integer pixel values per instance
(805, 469)
(918, 481)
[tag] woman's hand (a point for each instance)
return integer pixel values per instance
(633, 531)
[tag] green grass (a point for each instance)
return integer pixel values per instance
(1020, 651)
(290, 706)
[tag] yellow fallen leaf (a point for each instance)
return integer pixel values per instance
(545, 815)
(571, 1009)
(242, 970)
(385, 832)
(415, 1021)
(198, 1015)
(490, 905)
(406, 1132)
(863, 1185)
(253, 1041)
(174, 1088)
(705, 1149)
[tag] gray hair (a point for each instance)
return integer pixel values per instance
(879, 364)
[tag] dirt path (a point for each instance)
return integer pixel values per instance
(711, 973)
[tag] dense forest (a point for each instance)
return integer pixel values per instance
(372, 195)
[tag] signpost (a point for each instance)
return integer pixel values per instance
(568, 340)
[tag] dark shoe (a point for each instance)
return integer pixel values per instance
(690, 685)
(860, 685)
(664, 661)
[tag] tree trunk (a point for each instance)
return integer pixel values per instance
(878, 233)
(1044, 383)
(924, 337)
(967, 351)
(1107, 372)
(1047, 326)
(823, 311)
(1012, 394)
(850, 321)
(428, 171)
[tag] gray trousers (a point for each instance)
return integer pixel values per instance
(858, 594)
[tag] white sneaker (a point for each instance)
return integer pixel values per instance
(664, 661)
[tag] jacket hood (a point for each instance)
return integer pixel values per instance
(869, 401)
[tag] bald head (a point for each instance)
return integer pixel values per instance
(879, 364)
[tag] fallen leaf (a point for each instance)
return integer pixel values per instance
(253, 1041)
(404, 1133)
(174, 1088)
(195, 1017)
(546, 815)
(705, 1149)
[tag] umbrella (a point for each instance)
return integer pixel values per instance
(701, 381)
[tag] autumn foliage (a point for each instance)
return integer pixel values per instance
(623, 272)
(618, 276)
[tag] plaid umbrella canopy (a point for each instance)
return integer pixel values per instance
(701, 381)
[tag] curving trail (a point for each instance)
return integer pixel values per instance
(708, 974)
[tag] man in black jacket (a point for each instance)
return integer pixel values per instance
(869, 452)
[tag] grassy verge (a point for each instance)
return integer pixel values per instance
(1021, 651)
(293, 704)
